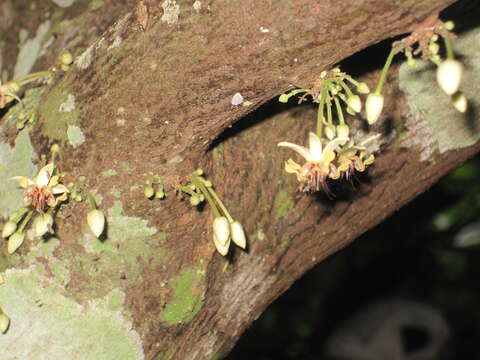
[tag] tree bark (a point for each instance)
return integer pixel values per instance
(157, 101)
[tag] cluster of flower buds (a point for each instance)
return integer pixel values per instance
(10, 90)
(331, 89)
(154, 188)
(339, 159)
(424, 42)
(41, 197)
(225, 228)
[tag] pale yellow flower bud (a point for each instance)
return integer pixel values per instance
(96, 221)
(15, 241)
(373, 107)
(238, 235)
(221, 229)
(330, 131)
(8, 229)
(4, 323)
(354, 103)
(459, 101)
(363, 88)
(449, 76)
(343, 130)
(42, 224)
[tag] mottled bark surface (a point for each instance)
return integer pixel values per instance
(154, 102)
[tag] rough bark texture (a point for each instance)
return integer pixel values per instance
(153, 102)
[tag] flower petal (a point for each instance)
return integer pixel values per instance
(303, 151)
(292, 167)
(44, 175)
(59, 189)
(315, 145)
(221, 248)
(332, 145)
(23, 181)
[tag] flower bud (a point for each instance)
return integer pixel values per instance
(221, 248)
(343, 130)
(221, 229)
(9, 228)
(459, 101)
(66, 58)
(194, 200)
(330, 131)
(149, 191)
(42, 224)
(4, 323)
(354, 103)
(449, 76)
(283, 98)
(449, 25)
(373, 107)
(238, 235)
(15, 241)
(363, 88)
(96, 221)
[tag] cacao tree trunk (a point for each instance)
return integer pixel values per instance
(154, 98)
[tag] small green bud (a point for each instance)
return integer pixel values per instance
(194, 200)
(55, 148)
(9, 228)
(66, 58)
(449, 25)
(65, 67)
(411, 62)
(20, 125)
(198, 172)
(283, 98)
(363, 88)
(149, 191)
(434, 38)
(434, 48)
(78, 198)
(208, 183)
(42, 224)
(160, 194)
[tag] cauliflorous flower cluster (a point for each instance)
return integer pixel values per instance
(41, 196)
(225, 228)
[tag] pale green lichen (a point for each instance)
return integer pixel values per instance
(95, 5)
(16, 161)
(85, 59)
(68, 105)
(449, 128)
(109, 173)
(57, 325)
(30, 50)
(187, 299)
(282, 204)
(55, 122)
(75, 136)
